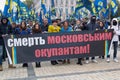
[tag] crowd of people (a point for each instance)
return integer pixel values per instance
(57, 25)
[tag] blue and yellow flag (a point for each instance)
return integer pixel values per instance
(100, 4)
(114, 7)
(43, 7)
(105, 12)
(48, 16)
(23, 9)
(89, 4)
(0, 13)
(79, 5)
(53, 11)
(40, 18)
(7, 8)
(16, 10)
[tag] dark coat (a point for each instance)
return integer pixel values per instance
(22, 32)
(92, 26)
(44, 28)
(4, 29)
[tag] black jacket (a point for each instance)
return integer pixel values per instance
(4, 29)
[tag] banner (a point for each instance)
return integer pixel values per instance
(56, 46)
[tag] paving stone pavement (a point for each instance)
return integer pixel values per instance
(92, 71)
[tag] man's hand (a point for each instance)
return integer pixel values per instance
(4, 35)
(97, 29)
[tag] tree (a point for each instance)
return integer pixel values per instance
(29, 3)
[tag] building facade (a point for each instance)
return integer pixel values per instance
(63, 7)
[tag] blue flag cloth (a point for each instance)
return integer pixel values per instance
(40, 18)
(114, 7)
(7, 8)
(79, 5)
(43, 7)
(15, 10)
(53, 11)
(23, 9)
(99, 4)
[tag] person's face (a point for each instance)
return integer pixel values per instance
(55, 24)
(4, 21)
(78, 22)
(115, 23)
(45, 21)
(101, 24)
(23, 25)
(65, 24)
(84, 20)
(93, 19)
(37, 27)
(31, 23)
(13, 25)
(58, 21)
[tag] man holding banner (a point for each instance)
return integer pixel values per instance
(52, 29)
(5, 29)
(92, 26)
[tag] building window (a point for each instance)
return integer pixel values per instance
(61, 2)
(66, 11)
(72, 1)
(66, 3)
(72, 8)
(56, 2)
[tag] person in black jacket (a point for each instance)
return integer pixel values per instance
(101, 27)
(44, 26)
(5, 29)
(92, 26)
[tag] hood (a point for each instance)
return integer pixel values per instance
(93, 19)
(115, 22)
(3, 19)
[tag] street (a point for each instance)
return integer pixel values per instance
(92, 71)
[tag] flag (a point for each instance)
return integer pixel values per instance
(84, 12)
(7, 8)
(67, 15)
(79, 5)
(89, 4)
(32, 14)
(15, 10)
(60, 12)
(23, 9)
(0, 13)
(40, 18)
(114, 7)
(43, 7)
(105, 12)
(49, 17)
(100, 4)
(53, 11)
